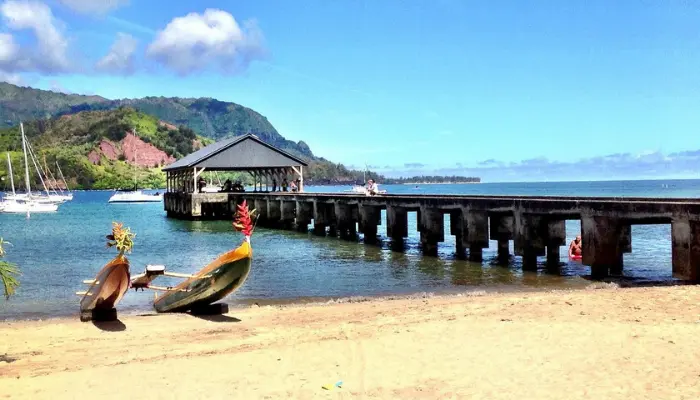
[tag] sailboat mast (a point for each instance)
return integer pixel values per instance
(12, 178)
(26, 162)
(62, 177)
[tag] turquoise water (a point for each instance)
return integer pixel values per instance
(57, 251)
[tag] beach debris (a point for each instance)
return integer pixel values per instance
(121, 238)
(8, 272)
(329, 386)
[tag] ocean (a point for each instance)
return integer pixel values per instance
(56, 251)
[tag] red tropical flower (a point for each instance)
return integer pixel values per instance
(243, 222)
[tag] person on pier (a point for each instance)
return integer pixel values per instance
(372, 187)
(575, 247)
(228, 186)
(284, 185)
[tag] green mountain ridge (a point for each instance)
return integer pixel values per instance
(207, 116)
(73, 129)
(64, 120)
(100, 149)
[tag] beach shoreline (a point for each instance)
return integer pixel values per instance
(598, 343)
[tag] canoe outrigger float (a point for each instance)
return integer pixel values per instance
(198, 291)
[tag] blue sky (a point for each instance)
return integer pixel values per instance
(509, 91)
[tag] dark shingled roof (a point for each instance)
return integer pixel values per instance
(240, 153)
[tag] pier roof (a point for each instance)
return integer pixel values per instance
(242, 153)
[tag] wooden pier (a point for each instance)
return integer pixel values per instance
(536, 225)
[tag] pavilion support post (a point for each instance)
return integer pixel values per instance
(300, 172)
(301, 177)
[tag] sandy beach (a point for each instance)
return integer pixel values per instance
(607, 343)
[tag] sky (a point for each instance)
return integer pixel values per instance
(503, 90)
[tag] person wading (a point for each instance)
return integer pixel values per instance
(575, 247)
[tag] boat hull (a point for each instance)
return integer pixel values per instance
(110, 285)
(12, 206)
(136, 196)
(217, 280)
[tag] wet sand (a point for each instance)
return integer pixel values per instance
(607, 343)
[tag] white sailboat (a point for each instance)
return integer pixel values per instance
(54, 197)
(135, 195)
(68, 196)
(362, 189)
(28, 203)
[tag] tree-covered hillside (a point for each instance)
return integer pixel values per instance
(99, 149)
(209, 117)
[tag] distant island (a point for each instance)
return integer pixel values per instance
(108, 144)
(431, 179)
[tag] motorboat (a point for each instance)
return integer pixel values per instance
(135, 196)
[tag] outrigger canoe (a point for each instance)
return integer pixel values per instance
(106, 290)
(212, 283)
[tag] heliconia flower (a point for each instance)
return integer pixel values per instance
(242, 222)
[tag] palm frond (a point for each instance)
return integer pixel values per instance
(8, 273)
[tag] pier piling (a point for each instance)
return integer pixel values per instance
(536, 225)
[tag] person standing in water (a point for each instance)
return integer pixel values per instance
(575, 247)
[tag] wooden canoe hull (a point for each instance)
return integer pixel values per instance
(214, 282)
(109, 286)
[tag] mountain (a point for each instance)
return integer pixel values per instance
(94, 137)
(209, 117)
(114, 148)
(100, 149)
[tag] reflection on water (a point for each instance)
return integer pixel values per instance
(57, 251)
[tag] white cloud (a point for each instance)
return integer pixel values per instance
(120, 58)
(56, 86)
(196, 41)
(52, 46)
(14, 79)
(94, 7)
(8, 49)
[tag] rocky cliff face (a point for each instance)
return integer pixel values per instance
(131, 149)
